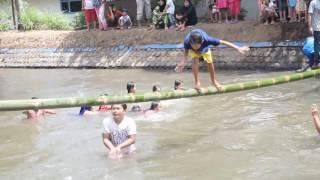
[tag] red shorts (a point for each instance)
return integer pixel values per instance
(235, 7)
(90, 15)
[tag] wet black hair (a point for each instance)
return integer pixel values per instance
(154, 105)
(130, 85)
(177, 83)
(34, 98)
(155, 88)
(124, 106)
(196, 37)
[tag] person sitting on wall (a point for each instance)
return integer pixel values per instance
(159, 17)
(114, 15)
(186, 16)
(125, 20)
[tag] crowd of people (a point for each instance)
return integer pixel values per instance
(283, 10)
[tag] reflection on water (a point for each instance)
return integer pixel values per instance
(258, 134)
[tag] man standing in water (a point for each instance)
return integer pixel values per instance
(196, 45)
(119, 132)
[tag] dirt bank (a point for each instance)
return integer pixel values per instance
(243, 31)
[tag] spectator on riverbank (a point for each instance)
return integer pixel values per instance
(143, 7)
(89, 13)
(186, 16)
(223, 7)
(234, 10)
(292, 10)
(119, 132)
(125, 20)
(308, 51)
(213, 12)
(170, 9)
(314, 27)
(36, 113)
(315, 117)
(282, 4)
(114, 15)
(99, 6)
(159, 16)
(301, 9)
(268, 11)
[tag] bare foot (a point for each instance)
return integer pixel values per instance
(198, 86)
(218, 86)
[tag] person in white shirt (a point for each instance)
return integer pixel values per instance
(119, 132)
(125, 20)
(169, 9)
(314, 27)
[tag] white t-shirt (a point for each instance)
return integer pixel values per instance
(88, 4)
(119, 133)
(314, 11)
(170, 9)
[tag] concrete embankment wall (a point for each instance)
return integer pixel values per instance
(263, 56)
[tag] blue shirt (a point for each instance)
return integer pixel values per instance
(207, 41)
(308, 46)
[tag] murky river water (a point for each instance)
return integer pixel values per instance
(258, 134)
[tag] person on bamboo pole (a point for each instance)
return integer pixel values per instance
(197, 46)
(36, 113)
(119, 132)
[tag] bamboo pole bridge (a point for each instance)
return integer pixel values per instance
(16, 105)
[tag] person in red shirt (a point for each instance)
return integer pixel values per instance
(114, 15)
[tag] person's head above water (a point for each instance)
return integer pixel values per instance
(118, 111)
(156, 88)
(131, 87)
(155, 106)
(178, 84)
(196, 40)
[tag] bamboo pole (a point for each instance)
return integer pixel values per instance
(15, 105)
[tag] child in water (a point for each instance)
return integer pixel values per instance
(178, 85)
(119, 132)
(36, 113)
(196, 45)
(131, 88)
(86, 110)
(315, 117)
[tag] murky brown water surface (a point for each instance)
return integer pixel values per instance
(258, 134)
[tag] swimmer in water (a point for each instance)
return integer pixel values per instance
(178, 85)
(36, 113)
(132, 88)
(87, 110)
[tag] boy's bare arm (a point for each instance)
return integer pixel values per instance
(315, 116)
(243, 50)
(48, 111)
(106, 141)
(128, 142)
